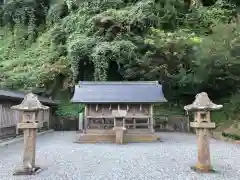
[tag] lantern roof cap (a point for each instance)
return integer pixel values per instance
(202, 102)
(30, 103)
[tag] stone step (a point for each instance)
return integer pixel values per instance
(94, 138)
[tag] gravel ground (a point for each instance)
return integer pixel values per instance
(169, 160)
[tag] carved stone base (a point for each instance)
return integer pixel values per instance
(27, 171)
(203, 170)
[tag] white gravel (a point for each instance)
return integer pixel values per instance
(169, 160)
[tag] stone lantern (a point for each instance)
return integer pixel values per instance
(202, 106)
(119, 124)
(30, 108)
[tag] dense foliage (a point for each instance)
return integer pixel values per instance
(188, 45)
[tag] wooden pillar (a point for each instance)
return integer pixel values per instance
(114, 122)
(80, 122)
(149, 124)
(17, 131)
(48, 117)
(102, 123)
(151, 119)
(85, 119)
(19, 118)
(188, 122)
(166, 120)
(134, 123)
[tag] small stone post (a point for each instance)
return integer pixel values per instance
(119, 126)
(30, 107)
(202, 106)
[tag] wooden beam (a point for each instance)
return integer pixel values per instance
(127, 117)
(145, 124)
(129, 124)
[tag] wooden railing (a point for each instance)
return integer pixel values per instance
(131, 122)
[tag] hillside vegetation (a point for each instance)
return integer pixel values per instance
(187, 45)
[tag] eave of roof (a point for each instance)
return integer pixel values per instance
(20, 96)
(117, 82)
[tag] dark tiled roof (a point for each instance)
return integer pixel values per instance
(20, 95)
(118, 92)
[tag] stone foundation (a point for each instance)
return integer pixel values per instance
(201, 169)
(110, 138)
(27, 171)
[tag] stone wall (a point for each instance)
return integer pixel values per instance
(172, 123)
(7, 132)
(64, 123)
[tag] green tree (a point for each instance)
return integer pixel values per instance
(189, 46)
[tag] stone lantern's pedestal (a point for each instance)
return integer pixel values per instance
(119, 134)
(119, 125)
(30, 133)
(203, 133)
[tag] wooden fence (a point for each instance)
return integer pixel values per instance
(9, 119)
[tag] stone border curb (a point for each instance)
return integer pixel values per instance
(20, 138)
(237, 142)
(227, 140)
